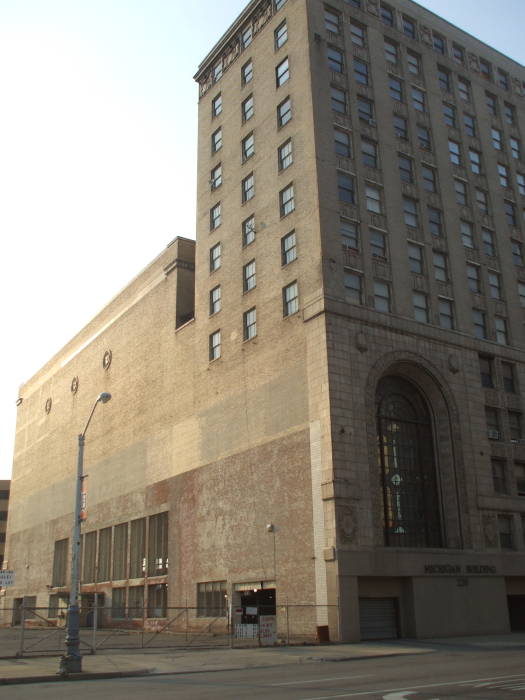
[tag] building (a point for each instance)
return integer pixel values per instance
(4, 502)
(334, 418)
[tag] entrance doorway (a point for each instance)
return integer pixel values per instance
(516, 604)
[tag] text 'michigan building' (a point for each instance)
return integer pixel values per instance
(319, 402)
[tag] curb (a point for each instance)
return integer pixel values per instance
(57, 678)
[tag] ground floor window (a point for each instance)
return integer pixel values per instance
(211, 599)
(157, 600)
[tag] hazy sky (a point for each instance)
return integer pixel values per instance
(97, 153)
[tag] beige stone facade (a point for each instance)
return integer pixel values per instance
(4, 503)
(324, 393)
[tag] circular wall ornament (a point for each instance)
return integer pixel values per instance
(106, 360)
(48, 405)
(74, 385)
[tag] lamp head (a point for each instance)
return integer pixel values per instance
(104, 397)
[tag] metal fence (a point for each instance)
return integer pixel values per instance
(28, 630)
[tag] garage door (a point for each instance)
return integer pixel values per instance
(378, 618)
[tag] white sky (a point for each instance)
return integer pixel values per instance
(98, 145)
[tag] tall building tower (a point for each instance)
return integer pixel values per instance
(360, 215)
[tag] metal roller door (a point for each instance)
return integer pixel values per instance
(378, 618)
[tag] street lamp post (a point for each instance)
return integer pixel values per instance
(71, 662)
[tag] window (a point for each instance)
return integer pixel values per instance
(409, 27)
(248, 230)
(410, 212)
(118, 603)
(381, 296)
(349, 231)
(286, 200)
(215, 216)
(423, 137)
(285, 155)
(520, 181)
(429, 178)
(502, 79)
(420, 303)
(216, 177)
(249, 324)
(247, 72)
(331, 20)
(158, 544)
(460, 188)
(361, 71)
(378, 244)
(369, 153)
(499, 480)
(354, 3)
(214, 346)
(212, 595)
(395, 88)
(505, 532)
(467, 237)
(365, 109)
(485, 69)
(247, 108)
(335, 59)
(517, 252)
(120, 552)
(290, 299)
(279, 4)
(446, 313)
(387, 15)
(475, 161)
(492, 420)
(439, 261)
(454, 152)
(282, 72)
(248, 188)
(479, 321)
(342, 143)
(400, 127)
(486, 371)
(406, 169)
(216, 140)
(281, 33)
(415, 258)
(215, 257)
(217, 71)
(137, 549)
(357, 34)
(494, 284)
(60, 563)
(510, 213)
(489, 245)
(496, 138)
(482, 201)
(515, 148)
(373, 199)
(508, 375)
(500, 325)
(249, 279)
(444, 78)
(519, 470)
(509, 113)
(439, 43)
(503, 175)
(449, 114)
(492, 103)
(458, 53)
(418, 99)
(464, 89)
(473, 278)
(353, 282)
(215, 299)
(345, 188)
(216, 105)
(248, 146)
(288, 248)
(337, 100)
(515, 429)
(435, 221)
(521, 293)
(413, 62)
(284, 112)
(391, 51)
(470, 124)
(246, 37)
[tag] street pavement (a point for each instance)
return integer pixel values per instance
(114, 664)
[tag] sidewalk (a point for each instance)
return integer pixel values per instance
(109, 664)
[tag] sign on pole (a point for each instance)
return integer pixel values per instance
(7, 578)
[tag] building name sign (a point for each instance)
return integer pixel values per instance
(456, 569)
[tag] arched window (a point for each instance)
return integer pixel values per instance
(406, 457)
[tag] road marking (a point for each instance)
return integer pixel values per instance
(398, 696)
(323, 680)
(412, 687)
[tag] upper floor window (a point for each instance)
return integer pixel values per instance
(470, 124)
(248, 146)
(418, 99)
(248, 187)
(357, 34)
(515, 147)
(353, 282)
(247, 37)
(458, 53)
(343, 145)
(332, 20)
(247, 72)
(502, 79)
(361, 72)
(284, 112)
(373, 199)
(216, 140)
(286, 200)
(288, 248)
(391, 51)
(215, 216)
(216, 105)
(439, 43)
(444, 78)
(349, 231)
(509, 112)
(414, 62)
(395, 88)
(281, 35)
(247, 108)
(248, 230)
(215, 257)
(290, 299)
(485, 69)
(338, 100)
(345, 188)
(282, 72)
(492, 103)
(335, 59)
(463, 88)
(285, 155)
(409, 27)
(387, 15)
(216, 177)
